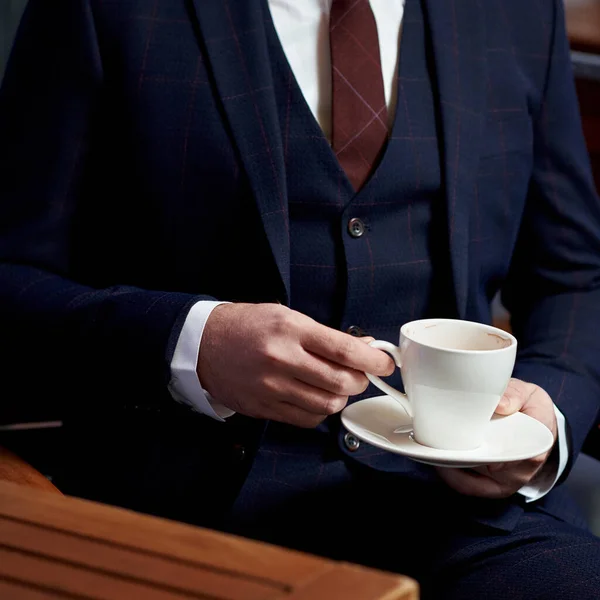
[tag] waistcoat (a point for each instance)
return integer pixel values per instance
(377, 280)
(367, 284)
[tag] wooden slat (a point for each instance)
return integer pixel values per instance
(161, 537)
(166, 572)
(78, 582)
(357, 583)
(18, 591)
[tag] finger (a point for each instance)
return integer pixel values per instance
(326, 375)
(343, 349)
(303, 396)
(514, 397)
(511, 475)
(292, 415)
(471, 483)
(496, 467)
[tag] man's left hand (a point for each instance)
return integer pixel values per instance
(504, 479)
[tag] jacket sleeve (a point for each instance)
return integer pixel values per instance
(553, 287)
(61, 337)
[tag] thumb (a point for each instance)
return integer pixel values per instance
(513, 399)
(540, 406)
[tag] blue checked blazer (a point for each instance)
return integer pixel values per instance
(142, 169)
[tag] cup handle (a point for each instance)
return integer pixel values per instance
(394, 352)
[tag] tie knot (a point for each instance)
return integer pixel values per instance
(341, 9)
(345, 3)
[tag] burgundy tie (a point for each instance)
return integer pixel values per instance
(359, 114)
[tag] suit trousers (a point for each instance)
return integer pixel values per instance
(299, 494)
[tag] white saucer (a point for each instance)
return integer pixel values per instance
(516, 437)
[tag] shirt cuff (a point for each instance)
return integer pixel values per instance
(548, 479)
(185, 386)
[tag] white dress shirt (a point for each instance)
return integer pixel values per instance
(303, 29)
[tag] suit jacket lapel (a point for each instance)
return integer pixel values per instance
(236, 47)
(457, 33)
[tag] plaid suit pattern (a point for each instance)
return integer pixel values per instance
(339, 280)
(172, 128)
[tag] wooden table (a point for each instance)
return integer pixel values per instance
(58, 547)
(14, 468)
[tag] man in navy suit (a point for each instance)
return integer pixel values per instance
(206, 209)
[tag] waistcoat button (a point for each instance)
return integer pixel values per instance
(355, 330)
(351, 442)
(356, 227)
(238, 453)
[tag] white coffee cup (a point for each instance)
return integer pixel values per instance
(454, 374)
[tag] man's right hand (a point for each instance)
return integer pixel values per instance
(270, 362)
